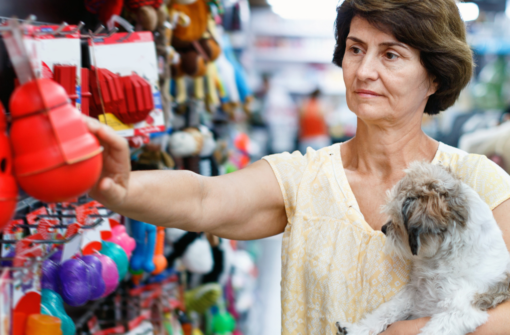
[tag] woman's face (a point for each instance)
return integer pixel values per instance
(385, 79)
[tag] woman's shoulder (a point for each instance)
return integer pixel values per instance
(489, 180)
(294, 171)
(297, 158)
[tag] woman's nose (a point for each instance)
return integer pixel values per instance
(367, 69)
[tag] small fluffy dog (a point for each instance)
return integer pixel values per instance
(460, 263)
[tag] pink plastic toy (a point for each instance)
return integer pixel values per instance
(110, 274)
(121, 238)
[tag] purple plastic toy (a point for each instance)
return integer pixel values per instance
(74, 279)
(50, 275)
(97, 286)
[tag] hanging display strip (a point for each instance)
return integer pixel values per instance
(41, 252)
(75, 255)
(70, 258)
(55, 53)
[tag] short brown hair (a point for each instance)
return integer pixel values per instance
(433, 27)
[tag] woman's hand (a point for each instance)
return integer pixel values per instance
(407, 327)
(112, 187)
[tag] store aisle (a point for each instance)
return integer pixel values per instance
(265, 317)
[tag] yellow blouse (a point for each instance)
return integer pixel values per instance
(333, 264)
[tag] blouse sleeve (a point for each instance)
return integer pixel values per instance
(288, 169)
(500, 181)
(489, 180)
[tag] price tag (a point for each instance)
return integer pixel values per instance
(72, 248)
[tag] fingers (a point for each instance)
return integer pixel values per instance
(108, 192)
(92, 124)
(105, 134)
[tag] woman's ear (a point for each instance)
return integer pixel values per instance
(433, 85)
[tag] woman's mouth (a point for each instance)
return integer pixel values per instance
(367, 94)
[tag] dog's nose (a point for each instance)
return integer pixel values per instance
(383, 229)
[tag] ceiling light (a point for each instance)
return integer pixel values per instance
(304, 10)
(469, 11)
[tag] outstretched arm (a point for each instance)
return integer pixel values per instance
(243, 205)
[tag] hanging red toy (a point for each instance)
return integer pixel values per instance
(8, 187)
(55, 156)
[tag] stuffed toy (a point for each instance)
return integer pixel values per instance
(208, 165)
(153, 157)
(208, 142)
(221, 153)
(243, 279)
(191, 248)
(167, 56)
(149, 14)
(195, 44)
(201, 298)
(245, 93)
(104, 9)
(222, 254)
(185, 143)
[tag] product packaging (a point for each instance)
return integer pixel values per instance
(125, 54)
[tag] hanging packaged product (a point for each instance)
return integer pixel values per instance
(124, 83)
(129, 98)
(60, 57)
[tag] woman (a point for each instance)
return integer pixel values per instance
(400, 59)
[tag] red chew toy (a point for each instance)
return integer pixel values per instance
(65, 75)
(85, 91)
(55, 157)
(139, 101)
(129, 98)
(105, 85)
(8, 187)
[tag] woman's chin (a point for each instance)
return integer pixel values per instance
(370, 113)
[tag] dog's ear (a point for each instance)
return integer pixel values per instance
(405, 210)
(413, 232)
(414, 240)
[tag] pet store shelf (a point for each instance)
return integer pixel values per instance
(293, 56)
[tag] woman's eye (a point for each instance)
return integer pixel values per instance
(391, 56)
(355, 50)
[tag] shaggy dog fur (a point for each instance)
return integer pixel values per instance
(460, 263)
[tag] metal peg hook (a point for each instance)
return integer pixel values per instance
(98, 31)
(29, 266)
(77, 28)
(54, 241)
(30, 19)
(60, 29)
(112, 31)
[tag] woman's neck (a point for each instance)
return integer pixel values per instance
(387, 151)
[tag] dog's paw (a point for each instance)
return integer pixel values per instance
(340, 330)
